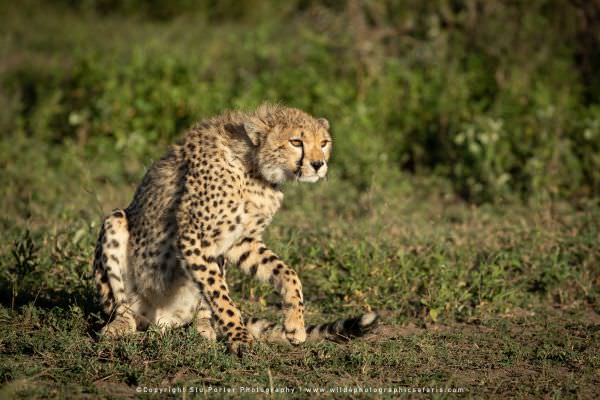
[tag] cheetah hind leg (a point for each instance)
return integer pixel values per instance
(110, 271)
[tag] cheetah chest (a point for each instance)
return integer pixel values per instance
(260, 205)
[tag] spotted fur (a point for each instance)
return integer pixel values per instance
(202, 206)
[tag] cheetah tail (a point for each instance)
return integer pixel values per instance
(340, 330)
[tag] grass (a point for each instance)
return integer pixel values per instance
(525, 355)
(496, 299)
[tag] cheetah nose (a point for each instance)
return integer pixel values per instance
(317, 164)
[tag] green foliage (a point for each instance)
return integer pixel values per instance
(426, 88)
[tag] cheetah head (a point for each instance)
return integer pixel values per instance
(289, 144)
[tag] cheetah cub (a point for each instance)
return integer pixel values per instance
(202, 206)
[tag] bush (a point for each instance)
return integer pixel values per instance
(414, 87)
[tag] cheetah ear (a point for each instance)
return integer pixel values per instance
(323, 122)
(254, 131)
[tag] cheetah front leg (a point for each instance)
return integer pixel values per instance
(204, 315)
(205, 272)
(255, 259)
(202, 266)
(204, 320)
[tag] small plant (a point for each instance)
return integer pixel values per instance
(484, 159)
(25, 257)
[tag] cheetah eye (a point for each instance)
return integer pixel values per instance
(296, 142)
(324, 143)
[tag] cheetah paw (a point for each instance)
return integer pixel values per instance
(207, 331)
(119, 327)
(240, 346)
(295, 333)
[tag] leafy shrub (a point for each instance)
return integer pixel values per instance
(424, 88)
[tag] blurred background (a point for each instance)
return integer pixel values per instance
(500, 99)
